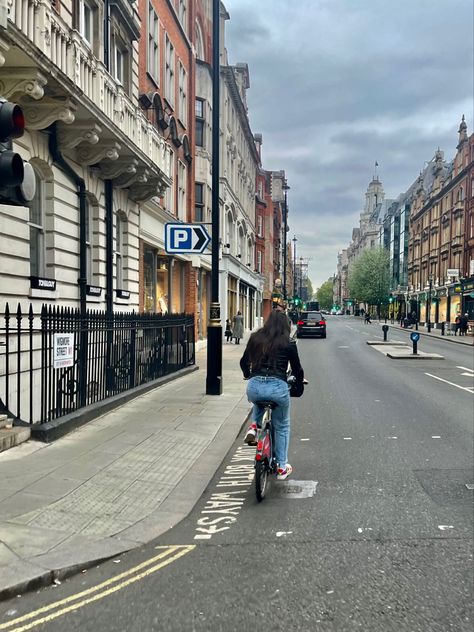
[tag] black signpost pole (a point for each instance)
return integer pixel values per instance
(214, 330)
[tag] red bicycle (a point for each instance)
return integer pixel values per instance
(265, 463)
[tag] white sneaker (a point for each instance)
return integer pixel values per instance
(283, 474)
(251, 436)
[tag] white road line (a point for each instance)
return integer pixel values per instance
(463, 388)
(464, 368)
(349, 327)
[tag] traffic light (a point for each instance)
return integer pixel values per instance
(390, 298)
(17, 178)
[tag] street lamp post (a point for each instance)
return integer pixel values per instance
(301, 278)
(428, 317)
(294, 266)
(285, 230)
(214, 331)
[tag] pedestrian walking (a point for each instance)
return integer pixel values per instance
(238, 327)
(367, 319)
(228, 331)
(457, 325)
(463, 325)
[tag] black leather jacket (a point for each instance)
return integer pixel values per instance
(277, 369)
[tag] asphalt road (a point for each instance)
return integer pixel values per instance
(373, 532)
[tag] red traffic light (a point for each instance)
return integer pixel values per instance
(12, 121)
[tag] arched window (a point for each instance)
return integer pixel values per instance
(37, 228)
(199, 43)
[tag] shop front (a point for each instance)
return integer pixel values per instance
(455, 302)
(442, 298)
(163, 286)
(468, 299)
(232, 297)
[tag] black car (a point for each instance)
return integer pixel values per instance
(311, 324)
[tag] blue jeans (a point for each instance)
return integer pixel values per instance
(275, 390)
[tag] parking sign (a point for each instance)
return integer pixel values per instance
(181, 238)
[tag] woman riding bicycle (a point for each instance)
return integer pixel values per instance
(265, 362)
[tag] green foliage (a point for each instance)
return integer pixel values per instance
(324, 295)
(309, 285)
(369, 277)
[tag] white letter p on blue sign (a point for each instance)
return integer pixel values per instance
(180, 237)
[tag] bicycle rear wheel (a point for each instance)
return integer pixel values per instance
(261, 479)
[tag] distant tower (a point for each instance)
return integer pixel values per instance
(374, 195)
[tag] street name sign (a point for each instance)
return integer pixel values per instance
(63, 350)
(182, 238)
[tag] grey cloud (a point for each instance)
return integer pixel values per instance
(338, 84)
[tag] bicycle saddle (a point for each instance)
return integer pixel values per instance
(264, 403)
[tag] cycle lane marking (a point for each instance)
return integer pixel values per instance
(104, 589)
(223, 507)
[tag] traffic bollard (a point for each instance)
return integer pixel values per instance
(442, 328)
(385, 330)
(414, 337)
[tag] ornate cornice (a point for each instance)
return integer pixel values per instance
(91, 154)
(41, 114)
(70, 136)
(22, 81)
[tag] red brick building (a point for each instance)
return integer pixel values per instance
(167, 95)
(440, 274)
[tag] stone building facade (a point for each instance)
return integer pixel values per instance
(440, 273)
(96, 156)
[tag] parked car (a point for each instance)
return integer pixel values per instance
(311, 324)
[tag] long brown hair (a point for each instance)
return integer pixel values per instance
(264, 344)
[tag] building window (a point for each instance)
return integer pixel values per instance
(182, 190)
(199, 114)
(120, 61)
(182, 12)
(260, 226)
(153, 44)
(86, 14)
(119, 250)
(259, 261)
(169, 193)
(89, 245)
(199, 43)
(36, 223)
(183, 98)
(169, 71)
(199, 202)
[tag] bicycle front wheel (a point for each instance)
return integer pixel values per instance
(261, 479)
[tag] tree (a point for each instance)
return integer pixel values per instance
(324, 295)
(369, 277)
(310, 289)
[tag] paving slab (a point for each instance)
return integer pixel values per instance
(115, 483)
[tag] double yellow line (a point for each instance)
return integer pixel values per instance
(52, 611)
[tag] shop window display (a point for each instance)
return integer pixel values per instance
(155, 281)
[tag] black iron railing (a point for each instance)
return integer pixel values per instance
(45, 375)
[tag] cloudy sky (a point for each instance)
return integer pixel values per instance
(336, 85)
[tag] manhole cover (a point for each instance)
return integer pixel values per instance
(296, 489)
(446, 487)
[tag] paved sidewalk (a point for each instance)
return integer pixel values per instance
(117, 482)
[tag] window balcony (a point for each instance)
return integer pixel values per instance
(52, 72)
